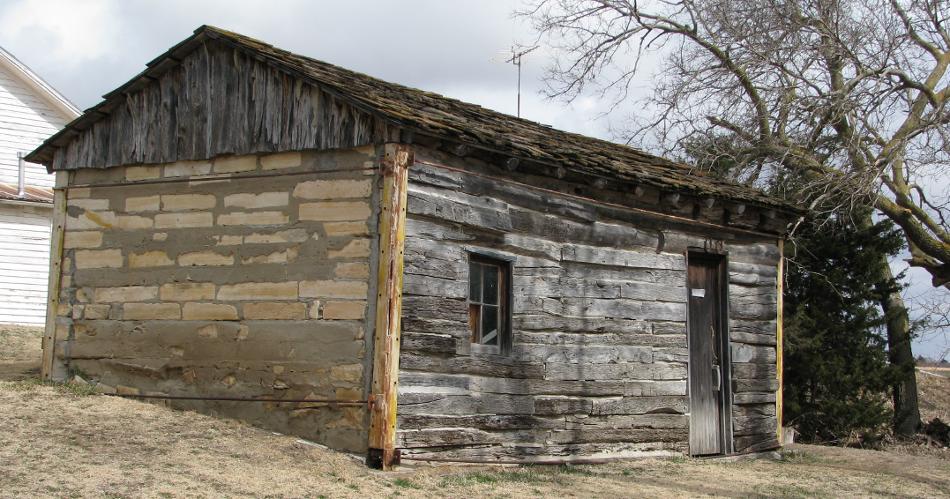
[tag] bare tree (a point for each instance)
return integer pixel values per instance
(848, 98)
(935, 310)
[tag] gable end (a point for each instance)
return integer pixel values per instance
(216, 100)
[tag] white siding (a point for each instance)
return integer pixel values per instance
(24, 263)
(26, 120)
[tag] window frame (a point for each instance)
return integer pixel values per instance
(505, 299)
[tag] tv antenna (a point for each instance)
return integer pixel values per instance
(515, 59)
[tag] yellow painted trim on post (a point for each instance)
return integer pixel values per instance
(392, 236)
(778, 338)
(53, 283)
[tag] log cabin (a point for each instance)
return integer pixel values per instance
(260, 235)
(30, 110)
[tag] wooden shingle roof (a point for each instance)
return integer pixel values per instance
(434, 115)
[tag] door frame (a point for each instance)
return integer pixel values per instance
(721, 257)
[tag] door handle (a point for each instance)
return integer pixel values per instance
(717, 378)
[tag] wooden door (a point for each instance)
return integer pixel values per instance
(706, 380)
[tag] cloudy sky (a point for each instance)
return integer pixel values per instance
(85, 48)
(88, 47)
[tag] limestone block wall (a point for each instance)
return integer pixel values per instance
(239, 277)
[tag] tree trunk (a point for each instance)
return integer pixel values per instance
(906, 411)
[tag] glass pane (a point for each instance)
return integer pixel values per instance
(489, 325)
(491, 284)
(474, 282)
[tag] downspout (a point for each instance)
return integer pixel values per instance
(21, 175)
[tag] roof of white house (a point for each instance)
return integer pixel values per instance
(39, 84)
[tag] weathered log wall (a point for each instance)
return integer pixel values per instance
(599, 359)
(245, 276)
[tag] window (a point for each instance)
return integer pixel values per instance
(489, 295)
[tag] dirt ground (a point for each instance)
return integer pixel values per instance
(60, 441)
(63, 441)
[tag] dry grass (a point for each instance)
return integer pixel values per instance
(933, 387)
(20, 350)
(20, 343)
(61, 441)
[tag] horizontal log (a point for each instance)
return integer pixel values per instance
(641, 405)
(621, 258)
(753, 410)
(766, 327)
(494, 366)
(483, 215)
(583, 354)
(434, 286)
(620, 308)
(598, 339)
(629, 421)
(434, 307)
(754, 425)
(456, 328)
(627, 435)
(756, 443)
(763, 271)
(754, 385)
(752, 311)
(445, 437)
(759, 293)
(751, 338)
(434, 229)
(761, 253)
(653, 292)
(431, 343)
(561, 405)
(607, 372)
(537, 453)
(514, 386)
(741, 370)
(557, 287)
(553, 323)
(655, 388)
(752, 353)
(481, 422)
(481, 187)
(485, 403)
(671, 355)
(435, 177)
(625, 274)
(753, 398)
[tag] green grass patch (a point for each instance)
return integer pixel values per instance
(572, 469)
(526, 475)
(791, 456)
(785, 490)
(406, 484)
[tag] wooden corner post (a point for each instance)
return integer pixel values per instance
(392, 235)
(778, 338)
(48, 367)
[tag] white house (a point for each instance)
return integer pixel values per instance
(30, 111)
